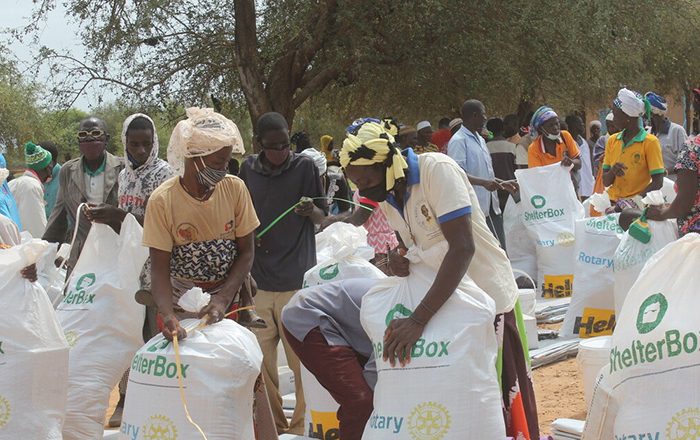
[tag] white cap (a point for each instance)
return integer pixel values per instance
(609, 117)
(455, 122)
(595, 123)
(423, 124)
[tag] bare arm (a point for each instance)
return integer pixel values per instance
(657, 182)
(162, 292)
(687, 189)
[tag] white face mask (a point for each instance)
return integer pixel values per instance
(552, 137)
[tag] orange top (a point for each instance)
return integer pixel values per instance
(537, 157)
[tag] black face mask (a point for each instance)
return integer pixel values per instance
(375, 193)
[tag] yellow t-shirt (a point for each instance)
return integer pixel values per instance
(643, 158)
(200, 235)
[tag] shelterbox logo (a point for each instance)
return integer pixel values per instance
(538, 202)
(671, 344)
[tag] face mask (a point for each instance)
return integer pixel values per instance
(551, 137)
(376, 193)
(209, 176)
(277, 157)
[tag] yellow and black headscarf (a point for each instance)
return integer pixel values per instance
(370, 141)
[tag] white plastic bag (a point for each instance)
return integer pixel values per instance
(343, 253)
(33, 352)
(520, 245)
(220, 364)
(450, 389)
(102, 322)
(631, 255)
(549, 211)
(51, 278)
(652, 389)
(592, 309)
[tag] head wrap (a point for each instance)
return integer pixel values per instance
(630, 102)
(325, 144)
(406, 129)
(609, 117)
(455, 122)
(36, 157)
(369, 144)
(318, 158)
(423, 124)
(204, 132)
(391, 126)
(595, 123)
(657, 102)
(541, 115)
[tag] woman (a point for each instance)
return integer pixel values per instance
(686, 206)
(552, 144)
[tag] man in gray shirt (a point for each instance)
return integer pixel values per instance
(322, 325)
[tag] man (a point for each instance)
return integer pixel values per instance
(469, 150)
(511, 126)
(51, 187)
(502, 155)
(278, 179)
(28, 189)
(322, 325)
(425, 135)
(8, 205)
(403, 183)
(633, 163)
(523, 145)
(599, 150)
(671, 136)
(594, 130)
(577, 130)
(441, 137)
(91, 178)
(408, 137)
(301, 140)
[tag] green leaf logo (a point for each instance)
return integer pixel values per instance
(651, 312)
(538, 202)
(398, 311)
(329, 272)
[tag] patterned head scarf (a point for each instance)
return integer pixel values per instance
(36, 157)
(631, 103)
(368, 142)
(542, 115)
(657, 102)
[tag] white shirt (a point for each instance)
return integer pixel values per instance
(587, 183)
(95, 188)
(671, 142)
(29, 195)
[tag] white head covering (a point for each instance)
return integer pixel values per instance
(423, 124)
(455, 122)
(609, 117)
(318, 158)
(595, 123)
(156, 144)
(630, 102)
(203, 132)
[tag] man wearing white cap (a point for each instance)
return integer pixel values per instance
(671, 135)
(594, 128)
(425, 135)
(633, 164)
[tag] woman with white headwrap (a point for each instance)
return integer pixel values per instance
(200, 225)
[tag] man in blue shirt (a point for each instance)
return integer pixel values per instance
(469, 150)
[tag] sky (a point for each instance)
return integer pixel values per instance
(58, 33)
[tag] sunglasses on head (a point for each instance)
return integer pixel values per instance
(91, 133)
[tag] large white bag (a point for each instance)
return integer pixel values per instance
(632, 254)
(102, 322)
(520, 245)
(592, 309)
(450, 389)
(549, 210)
(33, 352)
(220, 364)
(650, 389)
(343, 254)
(51, 278)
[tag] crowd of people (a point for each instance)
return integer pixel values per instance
(409, 186)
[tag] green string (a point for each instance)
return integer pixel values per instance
(291, 208)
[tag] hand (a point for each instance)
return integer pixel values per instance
(171, 326)
(566, 161)
(510, 185)
(215, 311)
(619, 169)
(492, 185)
(398, 264)
(103, 213)
(305, 209)
(326, 222)
(656, 213)
(399, 338)
(29, 273)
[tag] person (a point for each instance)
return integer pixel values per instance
(9, 236)
(233, 167)
(686, 206)
(51, 186)
(425, 135)
(333, 181)
(301, 141)
(442, 136)
(278, 179)
(594, 128)
(469, 150)
(322, 325)
(577, 131)
(599, 149)
(201, 211)
(408, 136)
(522, 146)
(91, 178)
(511, 125)
(327, 147)
(552, 144)
(28, 189)
(671, 136)
(455, 125)
(633, 163)
(388, 176)
(8, 205)
(502, 155)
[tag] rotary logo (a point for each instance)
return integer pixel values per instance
(685, 425)
(72, 338)
(429, 421)
(565, 239)
(4, 411)
(159, 427)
